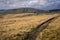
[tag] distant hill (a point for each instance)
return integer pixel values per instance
(54, 10)
(28, 10)
(24, 10)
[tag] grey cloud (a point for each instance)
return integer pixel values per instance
(8, 4)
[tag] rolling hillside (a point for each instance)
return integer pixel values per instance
(29, 26)
(28, 10)
(23, 10)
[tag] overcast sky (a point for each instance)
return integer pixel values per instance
(40, 4)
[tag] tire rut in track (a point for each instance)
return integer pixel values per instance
(32, 35)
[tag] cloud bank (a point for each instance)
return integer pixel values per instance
(40, 4)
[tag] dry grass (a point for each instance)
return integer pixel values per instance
(14, 26)
(52, 32)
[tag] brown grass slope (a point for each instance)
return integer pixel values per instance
(35, 32)
(15, 26)
(52, 32)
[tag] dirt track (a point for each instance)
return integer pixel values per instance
(35, 32)
(12, 25)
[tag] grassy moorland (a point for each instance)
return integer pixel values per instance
(21, 26)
